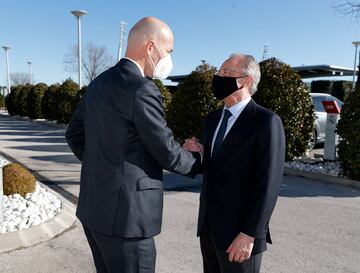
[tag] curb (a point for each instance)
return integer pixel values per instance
(62, 222)
(323, 177)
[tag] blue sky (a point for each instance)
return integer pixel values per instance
(305, 32)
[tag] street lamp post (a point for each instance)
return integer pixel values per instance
(7, 48)
(356, 44)
(29, 63)
(122, 38)
(78, 14)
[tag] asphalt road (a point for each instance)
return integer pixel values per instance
(315, 226)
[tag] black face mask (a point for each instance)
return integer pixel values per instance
(224, 86)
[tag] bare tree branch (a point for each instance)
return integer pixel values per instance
(96, 59)
(349, 8)
(20, 78)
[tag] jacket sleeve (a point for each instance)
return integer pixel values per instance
(158, 139)
(270, 158)
(75, 133)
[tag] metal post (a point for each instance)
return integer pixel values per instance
(29, 63)
(79, 50)
(356, 49)
(122, 38)
(6, 48)
(78, 14)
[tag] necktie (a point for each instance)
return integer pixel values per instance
(221, 133)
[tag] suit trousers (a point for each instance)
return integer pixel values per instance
(121, 255)
(216, 260)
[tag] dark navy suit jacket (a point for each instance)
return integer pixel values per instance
(241, 183)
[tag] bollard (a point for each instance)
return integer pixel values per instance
(1, 196)
(331, 139)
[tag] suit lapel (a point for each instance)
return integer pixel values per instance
(242, 126)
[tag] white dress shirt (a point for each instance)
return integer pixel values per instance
(235, 111)
(141, 70)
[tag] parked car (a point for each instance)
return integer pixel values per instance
(320, 121)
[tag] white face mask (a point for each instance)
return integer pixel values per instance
(163, 67)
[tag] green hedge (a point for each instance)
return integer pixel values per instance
(165, 94)
(2, 101)
(282, 91)
(348, 130)
(49, 102)
(34, 99)
(192, 102)
(67, 99)
(21, 100)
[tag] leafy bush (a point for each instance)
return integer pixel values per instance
(165, 94)
(80, 95)
(348, 130)
(49, 103)
(192, 102)
(2, 101)
(21, 100)
(282, 91)
(34, 99)
(17, 179)
(11, 100)
(66, 99)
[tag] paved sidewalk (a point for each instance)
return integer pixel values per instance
(315, 226)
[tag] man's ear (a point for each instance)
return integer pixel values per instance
(149, 46)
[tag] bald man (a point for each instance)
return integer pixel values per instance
(120, 135)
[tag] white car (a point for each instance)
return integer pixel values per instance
(320, 121)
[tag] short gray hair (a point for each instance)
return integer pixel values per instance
(251, 68)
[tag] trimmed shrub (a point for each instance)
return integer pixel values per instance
(165, 94)
(49, 104)
(338, 89)
(192, 102)
(66, 98)
(21, 100)
(348, 130)
(17, 179)
(282, 91)
(2, 101)
(80, 95)
(34, 99)
(11, 100)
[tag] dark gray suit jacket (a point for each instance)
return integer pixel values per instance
(120, 135)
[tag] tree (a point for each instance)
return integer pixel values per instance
(282, 91)
(49, 103)
(165, 94)
(348, 129)
(19, 78)
(34, 99)
(349, 8)
(192, 102)
(66, 100)
(96, 59)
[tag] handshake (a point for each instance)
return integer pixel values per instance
(193, 145)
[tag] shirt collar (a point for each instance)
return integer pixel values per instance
(141, 70)
(236, 109)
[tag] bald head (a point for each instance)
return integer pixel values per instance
(148, 28)
(150, 39)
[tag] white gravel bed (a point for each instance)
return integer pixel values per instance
(34, 209)
(327, 167)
